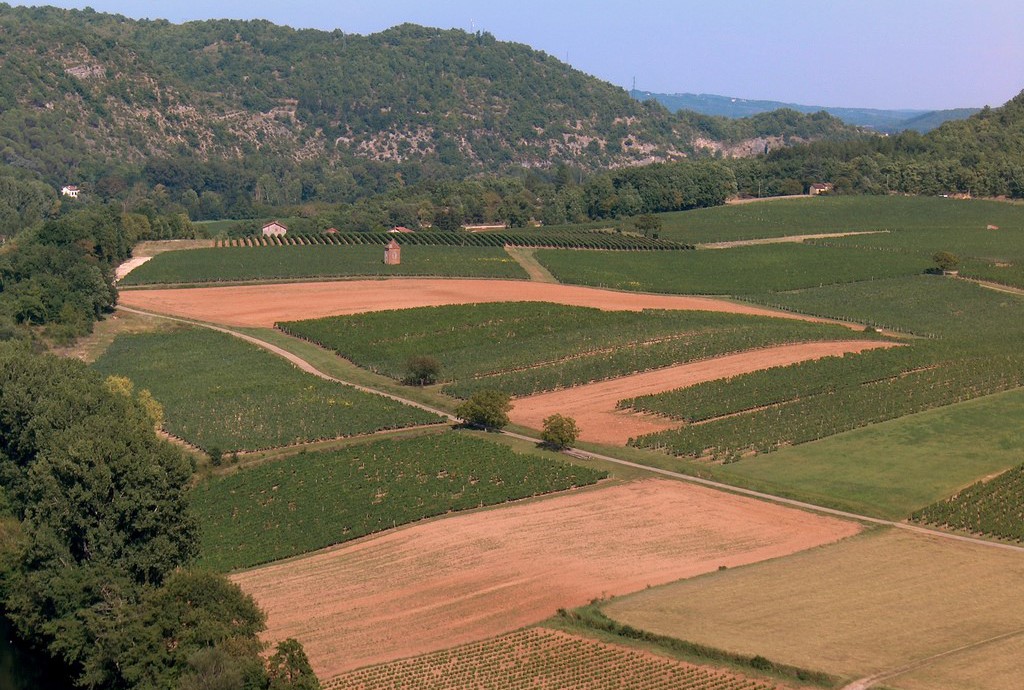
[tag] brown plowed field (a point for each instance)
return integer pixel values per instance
(264, 305)
(474, 576)
(593, 405)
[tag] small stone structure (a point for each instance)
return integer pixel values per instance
(274, 228)
(393, 253)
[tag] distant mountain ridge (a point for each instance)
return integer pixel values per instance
(888, 121)
(200, 105)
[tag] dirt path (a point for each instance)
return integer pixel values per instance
(473, 576)
(593, 405)
(301, 363)
(998, 287)
(264, 305)
(527, 258)
(129, 266)
(871, 681)
(766, 199)
(787, 238)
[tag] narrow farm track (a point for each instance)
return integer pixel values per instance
(998, 287)
(787, 238)
(585, 454)
(871, 681)
(527, 258)
(295, 360)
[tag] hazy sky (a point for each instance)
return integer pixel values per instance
(871, 53)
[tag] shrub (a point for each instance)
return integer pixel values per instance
(945, 261)
(423, 370)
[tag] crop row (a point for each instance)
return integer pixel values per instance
(294, 262)
(313, 500)
(220, 392)
(737, 271)
(773, 386)
(993, 508)
(543, 659)
(523, 348)
(640, 357)
(818, 416)
(561, 239)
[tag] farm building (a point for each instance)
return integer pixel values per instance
(400, 229)
(393, 253)
(331, 231)
(820, 188)
(274, 228)
(70, 190)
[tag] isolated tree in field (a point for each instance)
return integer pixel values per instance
(945, 261)
(559, 432)
(649, 225)
(488, 409)
(423, 370)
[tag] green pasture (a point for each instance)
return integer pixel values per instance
(220, 392)
(894, 468)
(522, 348)
(313, 500)
(320, 261)
(736, 271)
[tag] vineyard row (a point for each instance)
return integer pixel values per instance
(554, 240)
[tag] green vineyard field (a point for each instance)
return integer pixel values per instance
(219, 392)
(313, 500)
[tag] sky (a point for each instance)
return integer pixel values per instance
(907, 54)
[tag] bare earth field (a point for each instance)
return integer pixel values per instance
(471, 577)
(593, 405)
(264, 305)
(880, 603)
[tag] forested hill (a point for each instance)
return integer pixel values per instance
(982, 155)
(95, 98)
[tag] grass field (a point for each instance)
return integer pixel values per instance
(736, 271)
(312, 500)
(860, 607)
(287, 263)
(540, 658)
(994, 666)
(522, 348)
(892, 469)
(220, 392)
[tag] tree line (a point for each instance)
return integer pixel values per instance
(97, 537)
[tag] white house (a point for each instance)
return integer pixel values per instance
(70, 190)
(274, 228)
